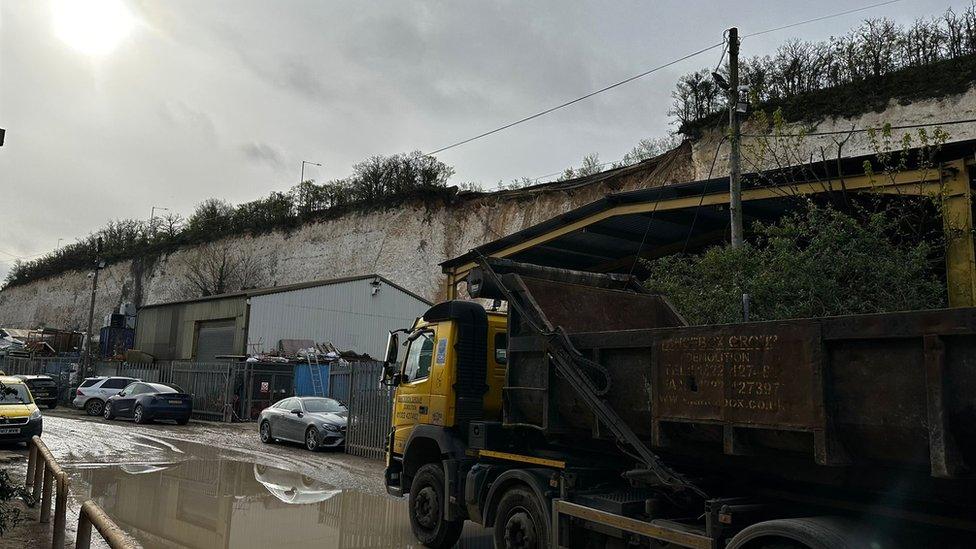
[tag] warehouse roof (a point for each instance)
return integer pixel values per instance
(290, 287)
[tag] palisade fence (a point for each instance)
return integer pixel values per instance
(370, 407)
(238, 391)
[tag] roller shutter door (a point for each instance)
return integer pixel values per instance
(215, 338)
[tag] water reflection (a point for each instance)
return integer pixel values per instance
(230, 504)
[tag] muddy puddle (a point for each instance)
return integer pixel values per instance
(220, 503)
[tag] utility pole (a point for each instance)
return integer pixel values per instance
(88, 369)
(735, 167)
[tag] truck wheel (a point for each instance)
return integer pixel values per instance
(520, 522)
(804, 533)
(426, 507)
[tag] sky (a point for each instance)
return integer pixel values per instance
(112, 107)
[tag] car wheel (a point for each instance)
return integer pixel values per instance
(265, 431)
(426, 508)
(139, 414)
(52, 405)
(183, 420)
(312, 439)
(94, 407)
(109, 414)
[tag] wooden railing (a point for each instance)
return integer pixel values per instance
(47, 479)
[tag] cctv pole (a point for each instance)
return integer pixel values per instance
(735, 167)
(91, 310)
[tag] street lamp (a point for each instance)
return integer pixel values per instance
(303, 169)
(152, 214)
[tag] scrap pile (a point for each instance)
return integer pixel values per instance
(306, 351)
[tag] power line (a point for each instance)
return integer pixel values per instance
(655, 69)
(821, 18)
(577, 100)
(20, 256)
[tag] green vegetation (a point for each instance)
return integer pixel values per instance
(376, 182)
(844, 76)
(817, 261)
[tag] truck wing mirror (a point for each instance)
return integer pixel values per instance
(391, 369)
(392, 347)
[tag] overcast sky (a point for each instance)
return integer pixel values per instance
(118, 106)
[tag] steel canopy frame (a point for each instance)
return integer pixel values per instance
(949, 181)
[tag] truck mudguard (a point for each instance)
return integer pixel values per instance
(429, 444)
(537, 479)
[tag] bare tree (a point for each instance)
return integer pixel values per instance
(215, 269)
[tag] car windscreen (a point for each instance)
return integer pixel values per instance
(14, 394)
(160, 388)
(39, 382)
(90, 382)
(313, 405)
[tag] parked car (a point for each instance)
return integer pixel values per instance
(43, 388)
(94, 391)
(145, 402)
(20, 418)
(316, 422)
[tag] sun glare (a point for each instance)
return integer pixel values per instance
(93, 27)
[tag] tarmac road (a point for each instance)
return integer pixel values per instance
(209, 485)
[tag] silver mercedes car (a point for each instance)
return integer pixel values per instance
(316, 422)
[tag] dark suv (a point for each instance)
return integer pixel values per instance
(44, 389)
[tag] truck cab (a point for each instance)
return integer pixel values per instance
(449, 370)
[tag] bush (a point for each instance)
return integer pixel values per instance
(855, 66)
(10, 515)
(818, 261)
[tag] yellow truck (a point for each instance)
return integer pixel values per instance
(591, 415)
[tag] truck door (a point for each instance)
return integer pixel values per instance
(413, 394)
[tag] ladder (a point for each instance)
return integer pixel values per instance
(316, 373)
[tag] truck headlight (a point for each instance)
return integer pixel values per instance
(36, 414)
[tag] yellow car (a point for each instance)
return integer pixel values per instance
(20, 419)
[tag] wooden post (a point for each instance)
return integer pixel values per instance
(47, 494)
(735, 169)
(31, 462)
(83, 540)
(38, 475)
(60, 509)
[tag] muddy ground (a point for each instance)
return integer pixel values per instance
(208, 485)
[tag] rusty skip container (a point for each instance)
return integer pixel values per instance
(881, 404)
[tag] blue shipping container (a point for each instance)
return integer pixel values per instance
(303, 379)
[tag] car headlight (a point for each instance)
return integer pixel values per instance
(330, 427)
(36, 414)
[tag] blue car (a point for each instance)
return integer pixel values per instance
(145, 402)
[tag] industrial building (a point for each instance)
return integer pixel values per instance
(353, 313)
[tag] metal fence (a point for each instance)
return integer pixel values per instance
(339, 375)
(370, 405)
(221, 391)
(235, 391)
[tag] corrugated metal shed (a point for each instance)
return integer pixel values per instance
(168, 330)
(353, 314)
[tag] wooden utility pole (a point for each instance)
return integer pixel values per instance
(89, 369)
(735, 167)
